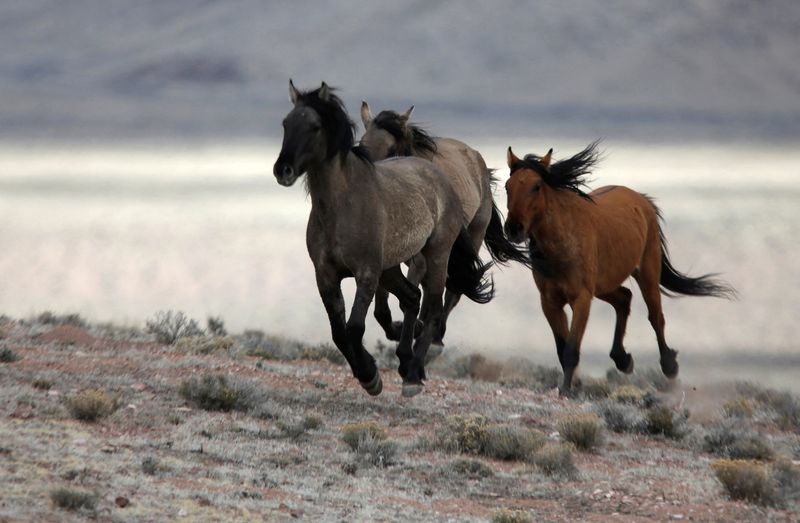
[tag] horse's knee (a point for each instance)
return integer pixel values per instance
(355, 332)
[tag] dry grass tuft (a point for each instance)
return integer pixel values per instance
(462, 434)
(556, 459)
(629, 395)
(585, 431)
(91, 405)
(218, 392)
(738, 408)
(471, 468)
(511, 442)
(352, 433)
(593, 389)
(298, 428)
(72, 499)
(204, 344)
(323, 351)
(511, 516)
(376, 452)
(745, 480)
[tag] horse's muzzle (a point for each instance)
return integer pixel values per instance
(515, 232)
(285, 173)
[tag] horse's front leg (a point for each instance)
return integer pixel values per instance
(330, 290)
(364, 364)
(572, 348)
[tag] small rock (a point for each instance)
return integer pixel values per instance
(182, 513)
(122, 501)
(676, 516)
(139, 387)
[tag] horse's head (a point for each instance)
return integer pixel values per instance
(386, 135)
(316, 130)
(526, 190)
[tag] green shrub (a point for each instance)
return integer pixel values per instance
(352, 433)
(582, 430)
(556, 460)
(91, 405)
(71, 499)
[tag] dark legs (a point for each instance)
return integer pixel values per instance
(409, 295)
(383, 313)
(620, 299)
(347, 336)
(450, 301)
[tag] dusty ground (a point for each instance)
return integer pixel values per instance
(170, 461)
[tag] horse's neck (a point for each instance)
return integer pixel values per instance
(326, 185)
(555, 234)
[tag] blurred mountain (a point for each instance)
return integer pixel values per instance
(183, 69)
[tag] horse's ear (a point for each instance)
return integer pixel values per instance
(366, 114)
(324, 92)
(294, 94)
(511, 159)
(546, 158)
(406, 115)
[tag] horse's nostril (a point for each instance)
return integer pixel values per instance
(287, 170)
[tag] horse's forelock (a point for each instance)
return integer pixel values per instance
(338, 128)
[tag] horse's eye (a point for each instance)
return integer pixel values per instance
(536, 188)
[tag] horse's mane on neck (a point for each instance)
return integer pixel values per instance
(569, 174)
(412, 140)
(338, 128)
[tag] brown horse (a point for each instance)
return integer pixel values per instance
(585, 245)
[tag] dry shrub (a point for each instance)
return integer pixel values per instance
(630, 395)
(471, 468)
(169, 326)
(511, 516)
(204, 344)
(216, 392)
(745, 480)
(91, 405)
(511, 442)
(352, 433)
(556, 459)
(464, 434)
(786, 477)
(620, 417)
(662, 420)
(593, 389)
(782, 405)
(8, 356)
(72, 499)
(376, 452)
(738, 408)
(295, 429)
(730, 440)
(215, 325)
(42, 384)
(323, 351)
(583, 430)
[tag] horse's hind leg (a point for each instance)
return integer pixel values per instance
(365, 369)
(451, 299)
(409, 296)
(620, 299)
(384, 315)
(648, 278)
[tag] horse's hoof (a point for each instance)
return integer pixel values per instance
(670, 368)
(628, 368)
(374, 386)
(411, 389)
(565, 393)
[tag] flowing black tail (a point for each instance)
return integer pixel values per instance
(673, 282)
(466, 273)
(502, 250)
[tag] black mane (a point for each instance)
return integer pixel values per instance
(338, 127)
(411, 139)
(569, 174)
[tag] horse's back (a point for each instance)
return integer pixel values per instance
(466, 170)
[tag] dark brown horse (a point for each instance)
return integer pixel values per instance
(586, 245)
(394, 134)
(366, 219)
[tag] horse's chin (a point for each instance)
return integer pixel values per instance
(289, 180)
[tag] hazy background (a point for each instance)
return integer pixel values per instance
(137, 142)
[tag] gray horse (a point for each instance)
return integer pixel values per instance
(392, 134)
(366, 219)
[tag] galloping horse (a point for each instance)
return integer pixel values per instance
(392, 134)
(366, 219)
(584, 245)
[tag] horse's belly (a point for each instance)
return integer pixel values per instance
(403, 242)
